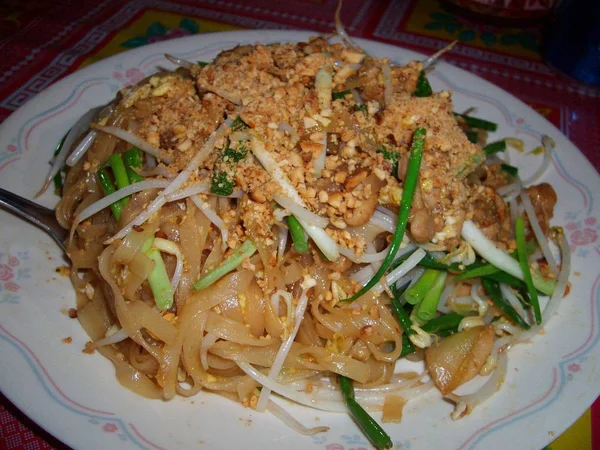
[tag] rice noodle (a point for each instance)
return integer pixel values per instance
(131, 138)
(291, 422)
(537, 231)
(81, 148)
(207, 342)
(212, 216)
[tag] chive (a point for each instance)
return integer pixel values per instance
(158, 279)
(416, 293)
(339, 95)
(429, 262)
(246, 250)
(510, 169)
(428, 307)
(118, 169)
(524, 263)
(447, 322)
(494, 147)
(472, 136)
(362, 108)
(410, 184)
(108, 188)
(133, 160)
(477, 272)
(372, 430)
(506, 278)
(203, 63)
(401, 314)
(493, 290)
(407, 346)
(298, 236)
(423, 88)
(474, 122)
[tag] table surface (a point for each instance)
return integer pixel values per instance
(42, 41)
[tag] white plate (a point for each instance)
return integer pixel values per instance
(76, 397)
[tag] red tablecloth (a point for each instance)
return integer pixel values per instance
(42, 41)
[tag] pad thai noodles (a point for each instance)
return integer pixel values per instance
(291, 220)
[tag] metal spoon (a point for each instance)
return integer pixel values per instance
(38, 215)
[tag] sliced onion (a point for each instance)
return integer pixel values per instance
(177, 182)
(549, 145)
(300, 211)
(287, 344)
(114, 338)
(77, 130)
(131, 138)
(180, 61)
(291, 422)
(81, 148)
(166, 246)
(537, 231)
(207, 342)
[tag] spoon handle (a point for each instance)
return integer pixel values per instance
(36, 214)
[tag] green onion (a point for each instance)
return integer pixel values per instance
(447, 322)
(133, 160)
(524, 263)
(428, 307)
(119, 171)
(246, 250)
(410, 184)
(158, 279)
(362, 108)
(429, 262)
(372, 430)
(474, 122)
(401, 314)
(506, 278)
(203, 63)
(221, 183)
(423, 88)
(298, 236)
(494, 147)
(417, 292)
(339, 95)
(493, 290)
(472, 136)
(108, 188)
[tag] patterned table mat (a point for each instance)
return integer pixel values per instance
(42, 41)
